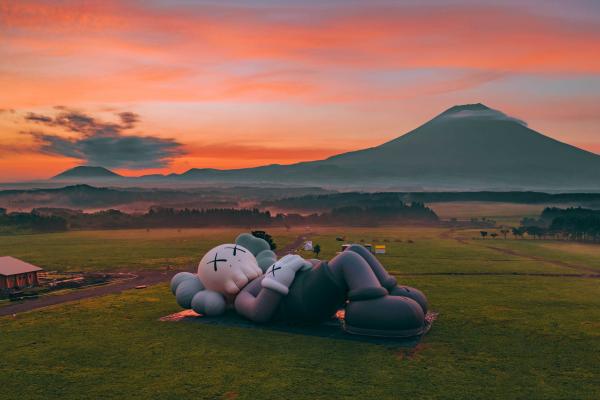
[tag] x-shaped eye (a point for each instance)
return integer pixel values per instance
(275, 268)
(216, 260)
(235, 249)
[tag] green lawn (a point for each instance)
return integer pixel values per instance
(431, 251)
(584, 254)
(497, 337)
(509, 214)
(122, 249)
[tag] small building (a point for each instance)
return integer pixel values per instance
(15, 274)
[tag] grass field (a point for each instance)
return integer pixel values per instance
(432, 250)
(503, 213)
(497, 337)
(569, 252)
(122, 249)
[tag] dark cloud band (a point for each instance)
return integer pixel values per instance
(103, 143)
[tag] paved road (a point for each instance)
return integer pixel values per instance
(138, 278)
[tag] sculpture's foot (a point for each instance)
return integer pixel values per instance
(411, 293)
(388, 316)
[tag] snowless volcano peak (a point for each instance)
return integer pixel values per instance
(466, 107)
(477, 111)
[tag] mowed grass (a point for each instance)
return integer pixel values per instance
(122, 249)
(497, 337)
(572, 253)
(504, 213)
(430, 250)
(584, 254)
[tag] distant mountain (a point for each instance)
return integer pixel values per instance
(467, 147)
(86, 172)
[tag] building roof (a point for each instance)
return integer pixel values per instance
(13, 266)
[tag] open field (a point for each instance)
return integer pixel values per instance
(503, 213)
(432, 250)
(574, 253)
(497, 337)
(132, 249)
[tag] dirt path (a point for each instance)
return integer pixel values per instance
(139, 278)
(581, 268)
(290, 247)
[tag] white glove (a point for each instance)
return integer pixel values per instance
(280, 276)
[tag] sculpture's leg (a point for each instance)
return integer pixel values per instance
(411, 293)
(388, 281)
(371, 310)
(352, 270)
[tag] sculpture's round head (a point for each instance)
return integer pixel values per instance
(228, 268)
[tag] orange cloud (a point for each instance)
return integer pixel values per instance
(231, 154)
(379, 69)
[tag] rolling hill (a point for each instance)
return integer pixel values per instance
(85, 173)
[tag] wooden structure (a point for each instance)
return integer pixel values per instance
(16, 274)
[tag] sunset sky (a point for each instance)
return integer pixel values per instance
(164, 86)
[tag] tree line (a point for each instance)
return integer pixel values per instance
(327, 201)
(20, 221)
(575, 223)
(156, 217)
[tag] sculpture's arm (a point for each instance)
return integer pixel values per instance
(257, 303)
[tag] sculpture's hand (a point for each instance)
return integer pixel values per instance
(240, 278)
(280, 276)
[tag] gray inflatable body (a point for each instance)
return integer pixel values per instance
(299, 292)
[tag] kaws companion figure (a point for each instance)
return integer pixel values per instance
(296, 290)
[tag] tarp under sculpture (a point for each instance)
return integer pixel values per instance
(247, 276)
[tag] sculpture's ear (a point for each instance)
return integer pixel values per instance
(265, 259)
(252, 243)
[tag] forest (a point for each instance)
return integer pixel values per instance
(574, 223)
(58, 219)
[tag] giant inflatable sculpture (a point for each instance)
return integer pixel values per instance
(247, 276)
